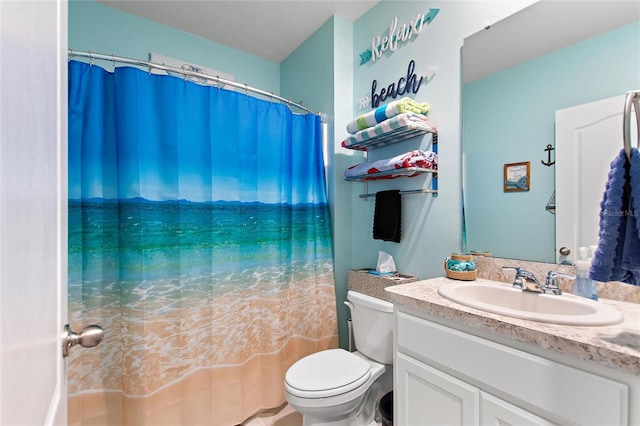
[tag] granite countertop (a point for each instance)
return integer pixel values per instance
(615, 346)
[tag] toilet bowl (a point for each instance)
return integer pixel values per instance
(337, 387)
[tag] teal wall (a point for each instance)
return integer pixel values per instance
(102, 29)
(511, 115)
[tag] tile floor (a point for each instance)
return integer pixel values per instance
(282, 416)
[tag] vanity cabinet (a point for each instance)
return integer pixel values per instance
(428, 396)
(444, 375)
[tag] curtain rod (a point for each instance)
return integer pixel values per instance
(185, 72)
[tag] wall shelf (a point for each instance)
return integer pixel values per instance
(397, 135)
(391, 174)
(405, 172)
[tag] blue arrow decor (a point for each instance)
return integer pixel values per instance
(405, 32)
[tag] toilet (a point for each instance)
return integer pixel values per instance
(336, 387)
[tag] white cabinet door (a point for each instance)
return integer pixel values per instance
(426, 396)
(494, 411)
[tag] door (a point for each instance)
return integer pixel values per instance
(588, 138)
(33, 200)
(428, 396)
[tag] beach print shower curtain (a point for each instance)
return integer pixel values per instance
(199, 239)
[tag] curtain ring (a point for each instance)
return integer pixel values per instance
(90, 58)
(271, 97)
(217, 81)
(246, 90)
(113, 61)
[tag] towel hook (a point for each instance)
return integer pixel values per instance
(632, 99)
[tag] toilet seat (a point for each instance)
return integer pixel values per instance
(327, 373)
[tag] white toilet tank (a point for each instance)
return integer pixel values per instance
(372, 322)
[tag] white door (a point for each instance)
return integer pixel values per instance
(588, 138)
(33, 221)
(426, 396)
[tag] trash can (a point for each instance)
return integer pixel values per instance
(386, 409)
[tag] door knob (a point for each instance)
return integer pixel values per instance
(89, 337)
(565, 251)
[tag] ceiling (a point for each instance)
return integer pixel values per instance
(539, 29)
(271, 29)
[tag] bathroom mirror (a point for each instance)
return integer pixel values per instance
(516, 74)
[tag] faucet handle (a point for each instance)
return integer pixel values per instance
(551, 284)
(517, 280)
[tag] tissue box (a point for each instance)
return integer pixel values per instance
(373, 285)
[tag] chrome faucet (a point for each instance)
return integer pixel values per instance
(525, 280)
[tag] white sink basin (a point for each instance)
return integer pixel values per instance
(501, 298)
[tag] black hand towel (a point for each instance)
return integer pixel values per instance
(387, 216)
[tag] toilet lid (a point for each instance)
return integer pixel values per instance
(332, 371)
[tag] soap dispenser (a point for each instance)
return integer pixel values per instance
(583, 285)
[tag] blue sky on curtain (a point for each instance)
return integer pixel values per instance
(199, 236)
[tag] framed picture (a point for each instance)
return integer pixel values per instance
(517, 177)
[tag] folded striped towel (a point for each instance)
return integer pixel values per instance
(388, 126)
(416, 158)
(384, 112)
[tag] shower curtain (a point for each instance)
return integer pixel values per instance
(200, 240)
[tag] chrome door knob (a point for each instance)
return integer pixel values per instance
(89, 337)
(564, 251)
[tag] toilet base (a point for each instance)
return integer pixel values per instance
(324, 422)
(364, 414)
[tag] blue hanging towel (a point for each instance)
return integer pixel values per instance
(617, 257)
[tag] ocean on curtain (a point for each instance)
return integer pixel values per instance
(200, 239)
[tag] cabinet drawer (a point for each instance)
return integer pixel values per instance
(553, 390)
(494, 411)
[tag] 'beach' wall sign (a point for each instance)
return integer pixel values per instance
(410, 83)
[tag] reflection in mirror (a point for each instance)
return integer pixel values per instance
(516, 74)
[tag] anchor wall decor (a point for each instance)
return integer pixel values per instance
(549, 163)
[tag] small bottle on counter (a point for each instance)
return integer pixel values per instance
(583, 285)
